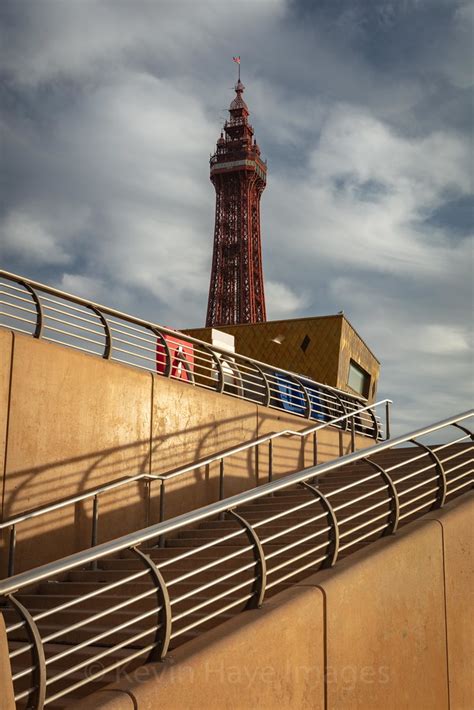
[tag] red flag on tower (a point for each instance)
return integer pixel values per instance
(236, 60)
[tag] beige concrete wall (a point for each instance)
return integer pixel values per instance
(266, 658)
(76, 422)
(457, 526)
(6, 347)
(380, 630)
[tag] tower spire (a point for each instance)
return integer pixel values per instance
(236, 292)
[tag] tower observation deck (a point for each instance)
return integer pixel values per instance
(238, 173)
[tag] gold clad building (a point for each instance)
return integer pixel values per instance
(325, 348)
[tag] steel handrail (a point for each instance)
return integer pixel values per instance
(173, 473)
(153, 532)
(269, 437)
(101, 310)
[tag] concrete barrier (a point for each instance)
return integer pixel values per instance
(385, 628)
(70, 422)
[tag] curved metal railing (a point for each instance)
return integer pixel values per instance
(220, 457)
(53, 315)
(164, 598)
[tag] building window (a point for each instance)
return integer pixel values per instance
(359, 379)
(305, 343)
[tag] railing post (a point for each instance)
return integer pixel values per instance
(442, 483)
(315, 448)
(270, 460)
(95, 526)
(333, 547)
(163, 634)
(257, 464)
(387, 419)
(261, 576)
(221, 478)
(107, 333)
(38, 693)
(395, 503)
(353, 438)
(39, 309)
(161, 539)
(11, 551)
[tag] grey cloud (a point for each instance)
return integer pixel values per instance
(111, 108)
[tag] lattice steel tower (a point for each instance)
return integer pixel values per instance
(238, 173)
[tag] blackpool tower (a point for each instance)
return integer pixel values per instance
(238, 173)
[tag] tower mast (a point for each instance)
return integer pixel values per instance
(236, 292)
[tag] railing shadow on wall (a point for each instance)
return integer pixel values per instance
(134, 498)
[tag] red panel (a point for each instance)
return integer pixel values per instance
(181, 355)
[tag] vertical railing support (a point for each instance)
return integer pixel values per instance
(221, 484)
(315, 448)
(107, 333)
(270, 460)
(163, 634)
(442, 483)
(95, 527)
(38, 694)
(161, 539)
(353, 434)
(394, 501)
(387, 419)
(261, 572)
(39, 309)
(333, 547)
(11, 551)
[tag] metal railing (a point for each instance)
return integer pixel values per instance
(43, 312)
(219, 457)
(142, 602)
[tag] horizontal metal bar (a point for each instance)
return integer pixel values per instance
(306, 553)
(420, 507)
(386, 501)
(154, 531)
(15, 317)
(301, 541)
(297, 526)
(217, 580)
(296, 571)
(95, 617)
(348, 486)
(235, 588)
(287, 512)
(367, 522)
(99, 674)
(455, 468)
(369, 494)
(101, 654)
(416, 498)
(417, 485)
(362, 537)
(147, 324)
(461, 475)
(462, 485)
(212, 616)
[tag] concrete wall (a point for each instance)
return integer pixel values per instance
(70, 422)
(388, 627)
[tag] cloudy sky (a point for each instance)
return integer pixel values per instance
(110, 109)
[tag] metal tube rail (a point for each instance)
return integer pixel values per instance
(173, 473)
(186, 519)
(313, 547)
(125, 320)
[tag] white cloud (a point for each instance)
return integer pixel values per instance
(114, 109)
(24, 236)
(282, 301)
